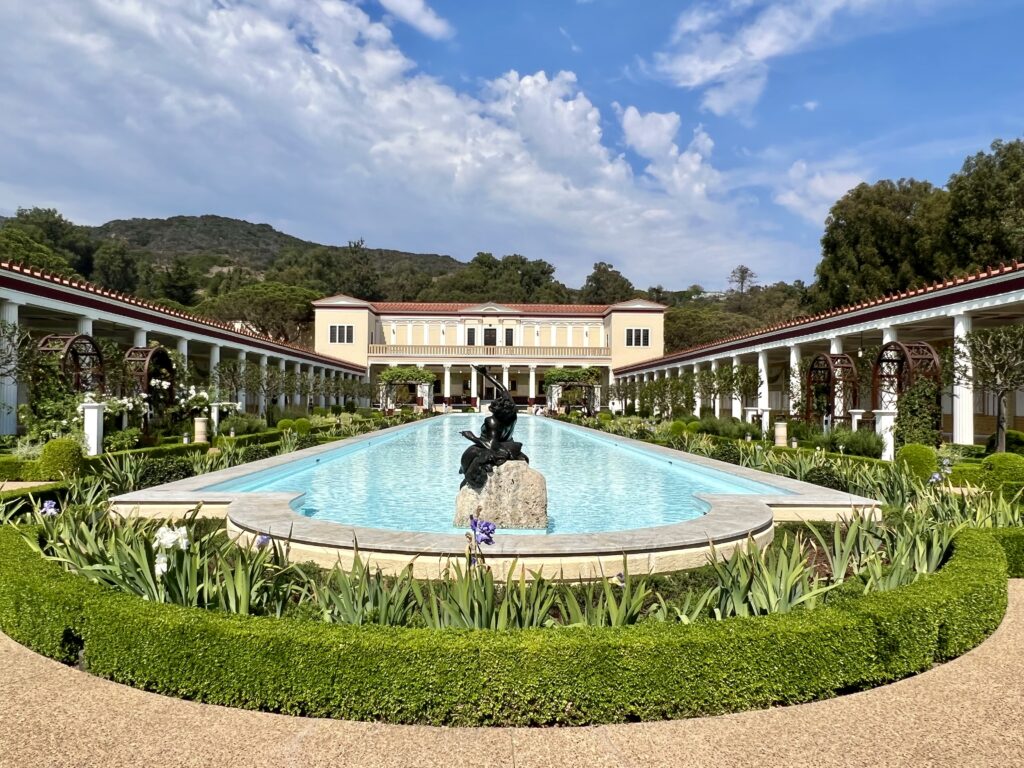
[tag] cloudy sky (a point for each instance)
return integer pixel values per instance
(674, 139)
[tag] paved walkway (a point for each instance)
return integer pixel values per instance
(969, 712)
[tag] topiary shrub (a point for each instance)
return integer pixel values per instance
(306, 441)
(677, 428)
(286, 425)
(164, 469)
(60, 458)
(350, 406)
(825, 476)
(921, 461)
(1014, 442)
(1002, 468)
(693, 427)
(605, 416)
(257, 452)
(302, 426)
(727, 451)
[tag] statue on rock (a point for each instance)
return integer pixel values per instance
(498, 483)
(494, 446)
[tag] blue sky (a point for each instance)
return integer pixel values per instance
(674, 139)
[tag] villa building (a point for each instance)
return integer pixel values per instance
(517, 342)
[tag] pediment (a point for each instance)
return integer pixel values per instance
(341, 301)
(490, 308)
(638, 304)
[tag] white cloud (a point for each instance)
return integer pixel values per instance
(718, 47)
(418, 14)
(810, 105)
(314, 121)
(568, 38)
(811, 193)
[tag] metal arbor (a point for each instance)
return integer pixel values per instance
(832, 388)
(79, 358)
(152, 371)
(898, 367)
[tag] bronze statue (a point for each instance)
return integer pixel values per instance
(494, 446)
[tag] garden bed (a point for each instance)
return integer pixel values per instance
(565, 676)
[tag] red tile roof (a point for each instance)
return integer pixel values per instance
(889, 298)
(82, 285)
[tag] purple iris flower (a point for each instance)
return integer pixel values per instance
(483, 530)
(935, 478)
(262, 541)
(50, 508)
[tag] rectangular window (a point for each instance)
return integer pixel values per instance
(638, 337)
(510, 337)
(490, 337)
(471, 337)
(341, 334)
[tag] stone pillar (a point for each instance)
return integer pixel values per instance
(835, 345)
(214, 394)
(92, 424)
(735, 399)
(323, 379)
(297, 395)
(182, 348)
(888, 334)
(885, 420)
(472, 385)
(140, 339)
(282, 366)
(446, 389)
(795, 382)
(85, 326)
(697, 404)
(9, 384)
(241, 390)
(717, 402)
(763, 398)
(262, 395)
(504, 376)
(532, 392)
(963, 391)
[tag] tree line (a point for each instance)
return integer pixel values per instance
(878, 238)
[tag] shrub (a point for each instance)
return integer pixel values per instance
(122, 440)
(258, 451)
(605, 416)
(13, 468)
(1000, 468)
(921, 461)
(693, 427)
(350, 406)
(1014, 442)
(727, 451)
(60, 458)
(286, 425)
(825, 476)
(965, 474)
(526, 677)
(302, 426)
(677, 428)
(165, 469)
(242, 425)
(306, 441)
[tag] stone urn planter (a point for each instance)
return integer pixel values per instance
(199, 429)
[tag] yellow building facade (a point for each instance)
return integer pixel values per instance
(517, 342)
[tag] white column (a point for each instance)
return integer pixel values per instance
(763, 400)
(92, 425)
(472, 382)
(85, 326)
(835, 345)
(214, 396)
(504, 376)
(9, 384)
(885, 420)
(139, 339)
(888, 334)
(696, 393)
(963, 391)
(297, 368)
(795, 382)
(737, 401)
(717, 403)
(262, 395)
(532, 392)
(241, 369)
(322, 398)
(282, 366)
(447, 390)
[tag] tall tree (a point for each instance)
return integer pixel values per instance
(986, 207)
(606, 285)
(879, 238)
(63, 237)
(996, 357)
(283, 312)
(16, 245)
(114, 267)
(177, 283)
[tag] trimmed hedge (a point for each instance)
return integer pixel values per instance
(13, 468)
(531, 677)
(92, 464)
(60, 458)
(1012, 542)
(921, 461)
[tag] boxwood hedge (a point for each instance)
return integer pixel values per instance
(531, 677)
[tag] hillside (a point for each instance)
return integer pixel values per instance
(241, 242)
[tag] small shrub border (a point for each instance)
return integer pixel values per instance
(570, 676)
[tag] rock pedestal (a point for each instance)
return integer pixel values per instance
(514, 496)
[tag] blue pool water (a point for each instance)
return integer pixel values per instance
(408, 480)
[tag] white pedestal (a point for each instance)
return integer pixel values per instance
(855, 416)
(885, 420)
(199, 430)
(781, 433)
(92, 418)
(750, 413)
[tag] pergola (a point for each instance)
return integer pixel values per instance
(79, 358)
(831, 390)
(898, 367)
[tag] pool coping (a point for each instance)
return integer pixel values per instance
(730, 518)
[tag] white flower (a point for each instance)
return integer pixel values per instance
(167, 537)
(204, 395)
(160, 567)
(165, 384)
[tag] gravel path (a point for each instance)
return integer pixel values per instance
(969, 712)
